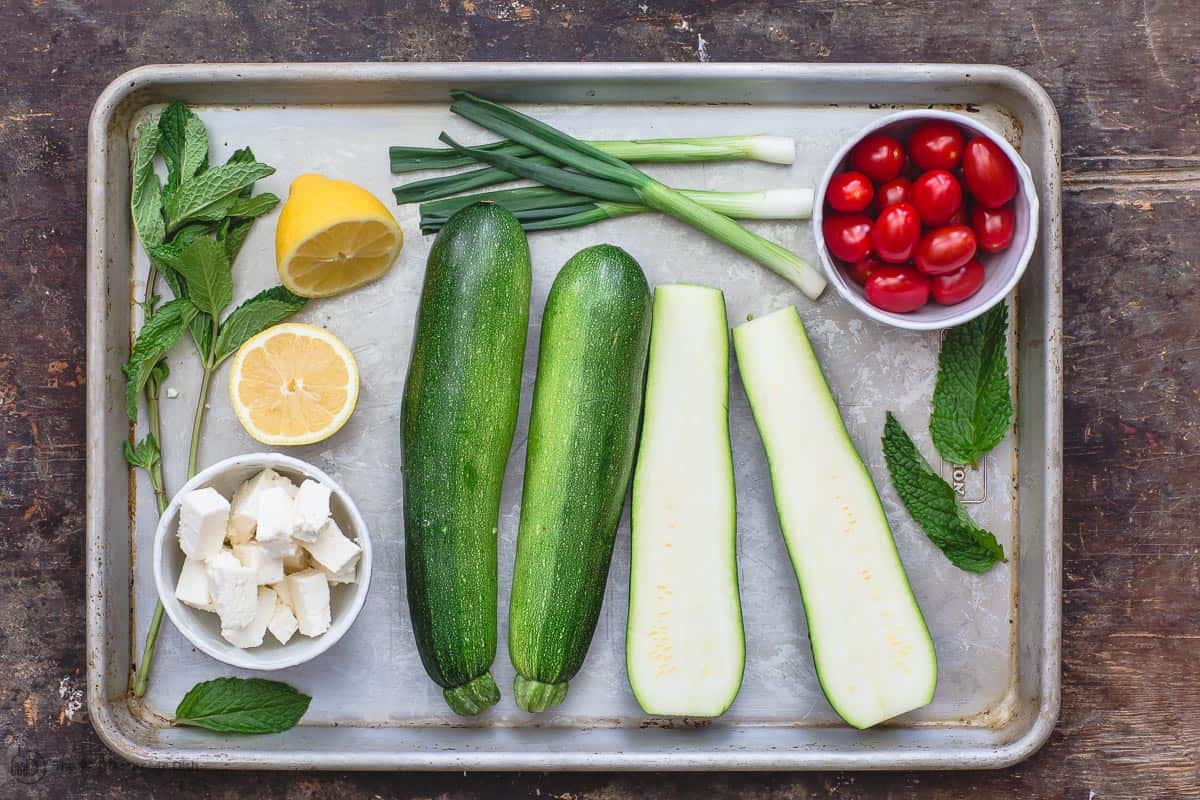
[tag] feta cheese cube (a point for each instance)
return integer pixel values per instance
(192, 589)
(203, 516)
(243, 513)
(296, 560)
(274, 521)
(267, 568)
(282, 593)
(312, 510)
(348, 574)
(283, 623)
(234, 589)
(310, 601)
(332, 551)
(252, 635)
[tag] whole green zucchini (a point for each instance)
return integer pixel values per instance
(457, 419)
(582, 435)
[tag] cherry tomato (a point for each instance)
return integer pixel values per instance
(961, 216)
(878, 156)
(944, 249)
(892, 192)
(850, 192)
(954, 287)
(994, 227)
(936, 145)
(896, 231)
(897, 289)
(862, 270)
(937, 195)
(848, 237)
(989, 175)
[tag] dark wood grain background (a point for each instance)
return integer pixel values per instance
(1125, 75)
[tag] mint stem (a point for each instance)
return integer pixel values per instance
(160, 492)
(198, 421)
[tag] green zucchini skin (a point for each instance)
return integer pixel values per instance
(582, 435)
(457, 419)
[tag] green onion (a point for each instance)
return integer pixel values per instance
(436, 188)
(541, 208)
(602, 176)
(759, 147)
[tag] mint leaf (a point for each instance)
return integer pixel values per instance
(242, 705)
(202, 334)
(267, 308)
(934, 505)
(144, 454)
(207, 272)
(171, 124)
(972, 402)
(208, 196)
(145, 198)
(194, 158)
(232, 235)
(160, 333)
(253, 206)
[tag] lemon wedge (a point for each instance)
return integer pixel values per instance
(293, 384)
(333, 236)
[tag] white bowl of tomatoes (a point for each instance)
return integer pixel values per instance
(925, 219)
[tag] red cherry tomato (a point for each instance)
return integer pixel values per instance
(862, 270)
(850, 192)
(989, 175)
(897, 289)
(961, 216)
(937, 195)
(944, 249)
(936, 145)
(994, 227)
(954, 287)
(848, 237)
(895, 233)
(892, 192)
(878, 156)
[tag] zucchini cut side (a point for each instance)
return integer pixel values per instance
(872, 650)
(685, 648)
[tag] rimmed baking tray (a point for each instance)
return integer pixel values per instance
(997, 635)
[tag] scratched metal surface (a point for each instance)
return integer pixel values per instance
(372, 699)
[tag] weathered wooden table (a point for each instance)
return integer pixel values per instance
(1125, 75)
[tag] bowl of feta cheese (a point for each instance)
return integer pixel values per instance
(262, 561)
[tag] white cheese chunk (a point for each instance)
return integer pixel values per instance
(310, 601)
(267, 568)
(348, 574)
(296, 560)
(192, 589)
(234, 589)
(312, 511)
(332, 551)
(252, 635)
(283, 623)
(282, 592)
(274, 521)
(203, 516)
(243, 512)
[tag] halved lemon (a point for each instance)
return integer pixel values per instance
(333, 236)
(293, 384)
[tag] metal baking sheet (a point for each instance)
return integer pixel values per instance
(997, 635)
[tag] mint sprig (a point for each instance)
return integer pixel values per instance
(934, 505)
(972, 402)
(242, 705)
(192, 228)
